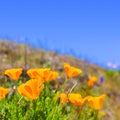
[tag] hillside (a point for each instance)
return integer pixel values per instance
(19, 55)
(14, 54)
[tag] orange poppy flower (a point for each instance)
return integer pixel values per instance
(14, 73)
(51, 76)
(71, 71)
(76, 99)
(63, 98)
(32, 73)
(96, 102)
(45, 74)
(3, 92)
(91, 81)
(48, 75)
(31, 89)
(38, 72)
(35, 73)
(87, 97)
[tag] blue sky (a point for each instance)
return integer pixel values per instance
(90, 27)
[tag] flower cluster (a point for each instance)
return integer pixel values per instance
(38, 76)
(77, 100)
(43, 74)
(32, 88)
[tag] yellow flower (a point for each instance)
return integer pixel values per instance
(91, 81)
(14, 73)
(71, 71)
(51, 76)
(32, 73)
(31, 89)
(76, 99)
(96, 102)
(36, 73)
(63, 98)
(44, 74)
(3, 92)
(86, 98)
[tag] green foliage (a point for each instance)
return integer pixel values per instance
(110, 73)
(44, 108)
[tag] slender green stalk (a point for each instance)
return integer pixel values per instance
(75, 83)
(65, 82)
(34, 108)
(80, 108)
(96, 115)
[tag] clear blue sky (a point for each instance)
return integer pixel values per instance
(90, 27)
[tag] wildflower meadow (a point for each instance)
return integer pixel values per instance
(41, 97)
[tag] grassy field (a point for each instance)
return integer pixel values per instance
(69, 95)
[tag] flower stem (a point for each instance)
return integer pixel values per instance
(96, 115)
(75, 83)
